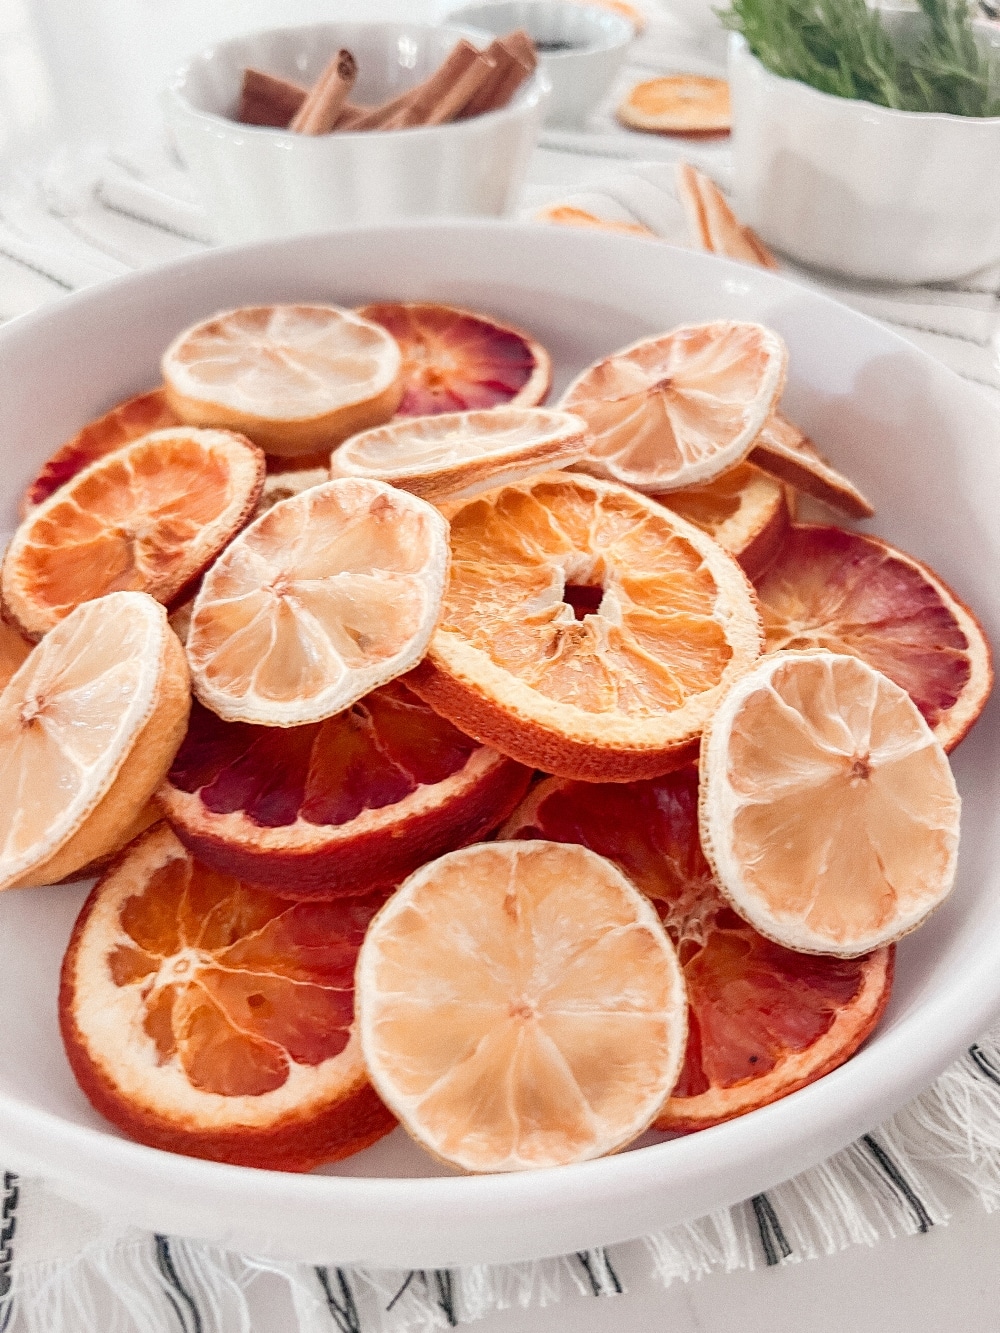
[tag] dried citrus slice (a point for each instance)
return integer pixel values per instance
(148, 518)
(570, 216)
(762, 1020)
(633, 13)
(360, 799)
(324, 597)
(678, 104)
(206, 1016)
(828, 810)
(14, 648)
(853, 593)
(679, 408)
(294, 378)
(712, 224)
(457, 360)
(458, 454)
(88, 728)
(519, 1005)
(782, 450)
(586, 630)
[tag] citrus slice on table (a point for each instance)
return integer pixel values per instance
(148, 518)
(88, 728)
(294, 378)
(457, 360)
(762, 1020)
(519, 1005)
(828, 810)
(678, 104)
(324, 597)
(569, 215)
(852, 593)
(712, 224)
(458, 454)
(679, 408)
(633, 13)
(586, 630)
(332, 808)
(214, 1018)
(785, 452)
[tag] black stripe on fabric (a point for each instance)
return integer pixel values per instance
(983, 1063)
(177, 1294)
(896, 1177)
(589, 1261)
(8, 1229)
(609, 1267)
(343, 1312)
(583, 1259)
(35, 268)
(772, 1237)
(406, 1282)
(445, 1295)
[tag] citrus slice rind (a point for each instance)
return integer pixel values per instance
(149, 517)
(786, 453)
(679, 408)
(519, 1005)
(828, 810)
(14, 648)
(214, 1018)
(455, 455)
(326, 596)
(678, 104)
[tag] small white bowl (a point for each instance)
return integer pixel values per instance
(859, 189)
(258, 182)
(586, 47)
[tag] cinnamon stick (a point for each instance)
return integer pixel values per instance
(267, 100)
(318, 113)
(421, 100)
(514, 59)
(461, 91)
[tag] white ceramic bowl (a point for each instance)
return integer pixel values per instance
(922, 443)
(596, 42)
(862, 190)
(258, 182)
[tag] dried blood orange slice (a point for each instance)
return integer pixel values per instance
(294, 378)
(745, 510)
(206, 1016)
(828, 810)
(586, 630)
(782, 450)
(458, 454)
(519, 1005)
(324, 597)
(678, 104)
(762, 1020)
(680, 408)
(853, 593)
(457, 360)
(148, 518)
(360, 799)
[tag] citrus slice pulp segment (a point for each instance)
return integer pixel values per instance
(148, 518)
(327, 595)
(519, 1005)
(678, 104)
(294, 378)
(853, 593)
(89, 725)
(785, 452)
(829, 812)
(457, 360)
(762, 1020)
(457, 454)
(586, 630)
(679, 408)
(211, 1017)
(333, 808)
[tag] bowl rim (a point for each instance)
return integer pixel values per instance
(606, 22)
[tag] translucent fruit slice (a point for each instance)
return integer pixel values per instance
(678, 104)
(209, 1017)
(680, 408)
(459, 454)
(782, 450)
(88, 728)
(586, 630)
(828, 810)
(324, 597)
(332, 808)
(458, 360)
(294, 378)
(519, 1005)
(852, 593)
(148, 518)
(762, 1020)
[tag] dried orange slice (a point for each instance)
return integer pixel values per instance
(457, 360)
(570, 216)
(586, 630)
(324, 597)
(782, 450)
(678, 104)
(828, 810)
(294, 378)
(631, 12)
(148, 518)
(360, 799)
(14, 648)
(88, 728)
(712, 223)
(209, 1017)
(762, 1020)
(519, 1005)
(853, 593)
(458, 454)
(679, 408)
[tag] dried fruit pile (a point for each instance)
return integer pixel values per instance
(486, 793)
